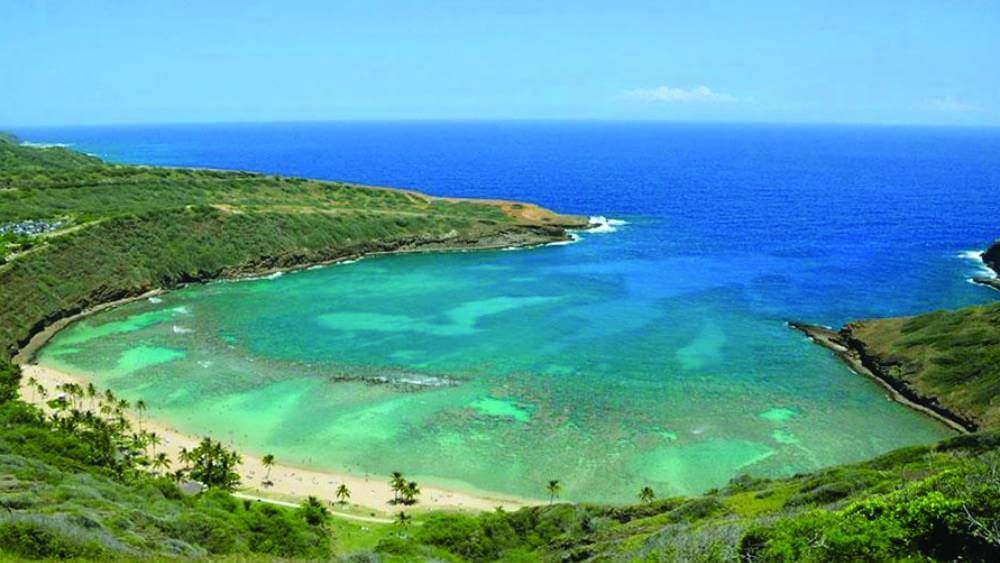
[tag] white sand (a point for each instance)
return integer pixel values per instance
(372, 493)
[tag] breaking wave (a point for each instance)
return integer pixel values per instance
(601, 224)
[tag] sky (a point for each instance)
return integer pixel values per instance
(124, 62)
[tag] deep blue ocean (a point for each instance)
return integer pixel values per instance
(824, 223)
(654, 354)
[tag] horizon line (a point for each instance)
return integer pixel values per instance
(418, 120)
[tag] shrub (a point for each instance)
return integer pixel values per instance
(37, 540)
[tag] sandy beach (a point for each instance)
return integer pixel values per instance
(370, 494)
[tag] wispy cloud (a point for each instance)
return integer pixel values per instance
(949, 105)
(669, 94)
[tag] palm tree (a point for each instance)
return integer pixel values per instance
(184, 456)
(398, 483)
(646, 495)
(154, 441)
(33, 383)
(410, 491)
(268, 461)
(553, 488)
(161, 461)
(343, 493)
(91, 391)
(403, 519)
(140, 406)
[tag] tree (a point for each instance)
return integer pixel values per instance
(153, 440)
(140, 406)
(214, 465)
(397, 482)
(646, 495)
(184, 457)
(553, 488)
(403, 519)
(314, 512)
(33, 384)
(10, 380)
(268, 461)
(343, 493)
(161, 461)
(410, 491)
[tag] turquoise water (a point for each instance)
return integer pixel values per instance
(654, 355)
(495, 371)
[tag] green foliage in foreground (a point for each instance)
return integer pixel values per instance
(951, 355)
(939, 503)
(62, 496)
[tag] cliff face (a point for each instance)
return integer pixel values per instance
(992, 257)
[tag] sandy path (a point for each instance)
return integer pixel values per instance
(371, 494)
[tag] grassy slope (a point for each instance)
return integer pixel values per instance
(131, 229)
(952, 356)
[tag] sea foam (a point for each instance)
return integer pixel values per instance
(573, 239)
(976, 257)
(601, 224)
(44, 145)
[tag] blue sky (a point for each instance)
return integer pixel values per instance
(103, 61)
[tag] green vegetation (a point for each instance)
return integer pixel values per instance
(953, 356)
(938, 502)
(343, 494)
(553, 488)
(403, 491)
(129, 229)
(78, 483)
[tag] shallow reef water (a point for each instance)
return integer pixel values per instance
(654, 351)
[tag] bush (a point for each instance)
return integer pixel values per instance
(36, 540)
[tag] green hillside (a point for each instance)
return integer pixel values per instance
(950, 356)
(118, 231)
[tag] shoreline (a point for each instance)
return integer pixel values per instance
(369, 494)
(851, 356)
(26, 352)
(990, 259)
(289, 480)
